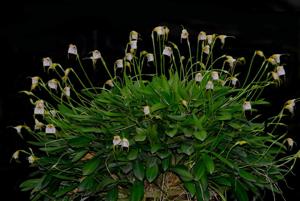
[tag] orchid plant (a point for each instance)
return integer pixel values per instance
(188, 129)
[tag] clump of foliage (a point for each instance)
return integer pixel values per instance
(188, 129)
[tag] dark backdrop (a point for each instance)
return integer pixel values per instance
(32, 30)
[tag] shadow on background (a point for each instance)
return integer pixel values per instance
(31, 31)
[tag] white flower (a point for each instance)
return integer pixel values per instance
(210, 38)
(110, 83)
(133, 44)
(184, 34)
(161, 30)
(119, 63)
(18, 128)
(222, 38)
(67, 91)
(50, 129)
(259, 53)
(233, 80)
(198, 77)
(117, 140)
(206, 49)
(72, 49)
(215, 75)
(47, 61)
(276, 57)
(38, 125)
(272, 61)
(34, 82)
(184, 102)
(209, 85)
(247, 106)
(290, 142)
(52, 84)
(290, 105)
(167, 51)
(16, 155)
(275, 75)
(31, 159)
(146, 110)
(39, 107)
(133, 35)
(95, 56)
(280, 70)
(150, 57)
(128, 56)
(230, 60)
(201, 36)
(125, 143)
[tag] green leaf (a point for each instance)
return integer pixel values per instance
(209, 163)
(79, 141)
(62, 191)
(88, 184)
(199, 170)
(240, 192)
(247, 175)
(65, 110)
(188, 149)
(177, 117)
(224, 116)
(141, 135)
(137, 191)
(152, 172)
(157, 106)
(112, 195)
(224, 160)
(30, 184)
(91, 166)
(165, 163)
(200, 135)
(155, 147)
(79, 155)
(190, 187)
(138, 170)
(132, 155)
(52, 149)
(183, 172)
(223, 181)
(172, 132)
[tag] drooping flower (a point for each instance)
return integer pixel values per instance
(215, 75)
(206, 49)
(133, 35)
(67, 91)
(18, 128)
(167, 51)
(275, 75)
(233, 81)
(161, 30)
(133, 44)
(198, 77)
(34, 82)
(146, 110)
(290, 142)
(31, 159)
(47, 61)
(125, 143)
(201, 36)
(39, 107)
(119, 63)
(128, 56)
(230, 60)
(210, 38)
(150, 57)
(280, 70)
(247, 106)
(110, 83)
(38, 125)
(209, 85)
(72, 49)
(290, 105)
(50, 129)
(222, 38)
(276, 57)
(184, 34)
(117, 140)
(259, 53)
(16, 155)
(53, 83)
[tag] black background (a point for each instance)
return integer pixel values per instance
(32, 30)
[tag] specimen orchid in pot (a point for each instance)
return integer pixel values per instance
(188, 129)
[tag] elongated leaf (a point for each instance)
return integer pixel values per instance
(157, 106)
(88, 184)
(190, 187)
(172, 132)
(137, 191)
(152, 172)
(138, 170)
(209, 163)
(30, 184)
(79, 155)
(91, 166)
(165, 163)
(224, 160)
(247, 175)
(79, 141)
(240, 192)
(62, 191)
(200, 135)
(112, 195)
(183, 172)
(199, 170)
